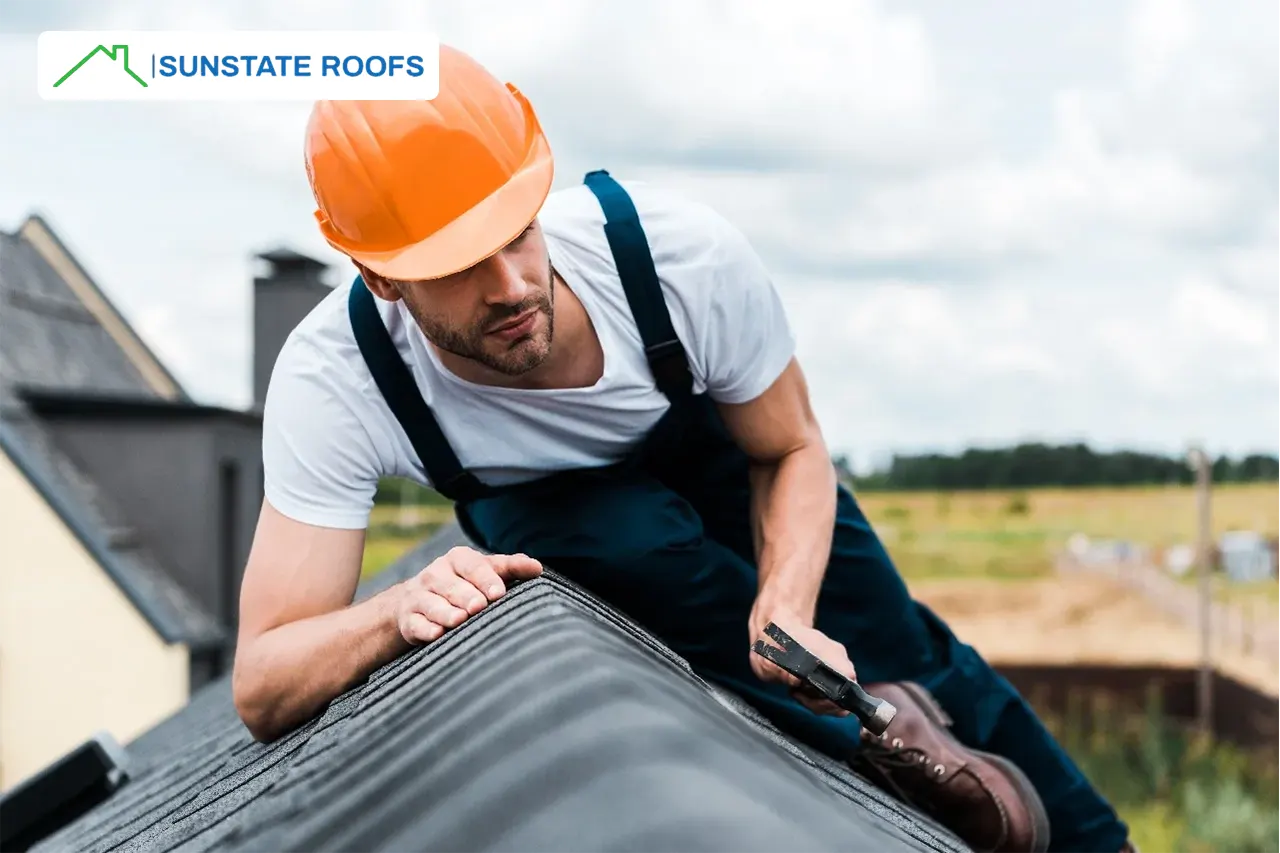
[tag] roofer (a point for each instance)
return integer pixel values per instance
(604, 380)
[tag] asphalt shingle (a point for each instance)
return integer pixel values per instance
(547, 722)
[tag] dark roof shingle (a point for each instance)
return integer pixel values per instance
(50, 338)
(547, 722)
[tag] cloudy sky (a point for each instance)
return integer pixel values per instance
(990, 221)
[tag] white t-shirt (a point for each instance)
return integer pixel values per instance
(328, 435)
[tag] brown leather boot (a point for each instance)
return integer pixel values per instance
(981, 797)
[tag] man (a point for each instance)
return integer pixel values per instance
(603, 379)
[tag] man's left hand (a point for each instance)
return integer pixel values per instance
(832, 653)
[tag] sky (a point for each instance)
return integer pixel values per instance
(990, 222)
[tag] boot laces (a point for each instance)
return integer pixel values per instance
(894, 754)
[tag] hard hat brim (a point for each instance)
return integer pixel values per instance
(475, 235)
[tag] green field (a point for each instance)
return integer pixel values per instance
(1003, 534)
(1014, 534)
(391, 534)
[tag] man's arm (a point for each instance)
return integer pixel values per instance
(300, 645)
(793, 483)
(744, 344)
(302, 642)
(793, 487)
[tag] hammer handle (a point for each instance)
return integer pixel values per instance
(874, 714)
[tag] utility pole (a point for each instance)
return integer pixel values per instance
(1199, 462)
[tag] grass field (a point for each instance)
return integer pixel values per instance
(388, 537)
(1014, 534)
(997, 534)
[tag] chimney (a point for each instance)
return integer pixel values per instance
(292, 286)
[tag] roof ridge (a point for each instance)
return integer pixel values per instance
(544, 700)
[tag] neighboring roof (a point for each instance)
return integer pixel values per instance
(172, 613)
(73, 279)
(548, 722)
(65, 338)
(63, 404)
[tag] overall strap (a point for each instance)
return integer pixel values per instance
(630, 247)
(448, 477)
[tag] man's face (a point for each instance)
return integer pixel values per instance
(499, 313)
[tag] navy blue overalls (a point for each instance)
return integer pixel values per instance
(665, 536)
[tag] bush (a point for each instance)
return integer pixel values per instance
(1177, 790)
(1018, 505)
(1225, 814)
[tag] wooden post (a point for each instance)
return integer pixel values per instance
(1250, 619)
(1204, 559)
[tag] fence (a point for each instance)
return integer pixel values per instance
(1248, 626)
(1242, 714)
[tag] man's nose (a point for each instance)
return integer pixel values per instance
(503, 284)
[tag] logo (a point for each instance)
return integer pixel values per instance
(121, 49)
(238, 65)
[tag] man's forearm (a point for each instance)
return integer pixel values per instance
(284, 676)
(793, 514)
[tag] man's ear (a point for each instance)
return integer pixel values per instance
(377, 285)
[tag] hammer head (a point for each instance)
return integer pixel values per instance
(880, 716)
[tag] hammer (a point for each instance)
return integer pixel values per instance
(875, 714)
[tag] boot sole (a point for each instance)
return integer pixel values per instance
(1030, 798)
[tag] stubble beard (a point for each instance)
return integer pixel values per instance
(472, 343)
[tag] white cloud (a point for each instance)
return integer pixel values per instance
(1205, 312)
(664, 82)
(1158, 31)
(1057, 221)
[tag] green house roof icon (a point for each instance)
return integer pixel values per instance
(119, 50)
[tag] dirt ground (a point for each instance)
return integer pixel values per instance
(1075, 619)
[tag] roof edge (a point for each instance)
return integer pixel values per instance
(47, 402)
(37, 232)
(31, 469)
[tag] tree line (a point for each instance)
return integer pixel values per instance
(1033, 465)
(1017, 467)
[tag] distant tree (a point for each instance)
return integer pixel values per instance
(1035, 465)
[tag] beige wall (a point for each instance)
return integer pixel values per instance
(75, 656)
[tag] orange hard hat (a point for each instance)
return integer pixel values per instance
(424, 188)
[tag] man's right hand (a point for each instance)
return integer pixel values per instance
(454, 588)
